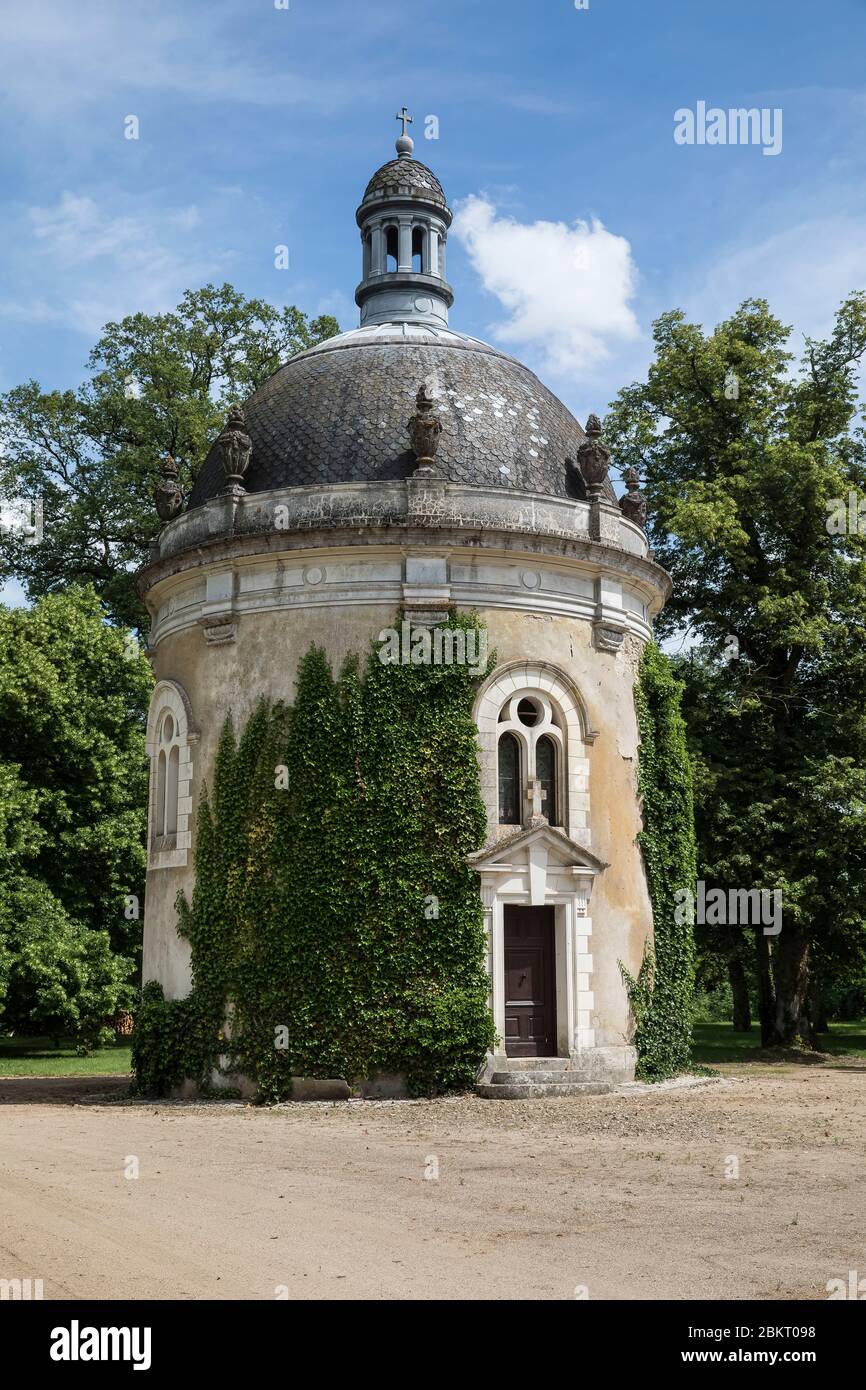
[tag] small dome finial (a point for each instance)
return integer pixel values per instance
(405, 143)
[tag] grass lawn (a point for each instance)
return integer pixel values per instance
(717, 1042)
(39, 1057)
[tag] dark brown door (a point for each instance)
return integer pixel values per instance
(530, 1000)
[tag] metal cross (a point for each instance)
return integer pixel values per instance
(405, 118)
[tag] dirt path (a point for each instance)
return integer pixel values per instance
(624, 1195)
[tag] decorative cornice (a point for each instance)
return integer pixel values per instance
(409, 511)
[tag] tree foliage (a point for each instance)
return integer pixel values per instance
(73, 773)
(743, 457)
(159, 384)
(57, 976)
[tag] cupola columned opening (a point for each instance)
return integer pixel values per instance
(404, 221)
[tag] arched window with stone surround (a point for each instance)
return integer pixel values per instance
(532, 724)
(534, 708)
(165, 800)
(170, 736)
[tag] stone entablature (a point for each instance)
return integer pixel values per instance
(216, 594)
(371, 543)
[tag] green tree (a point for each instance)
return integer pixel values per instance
(57, 976)
(20, 837)
(159, 384)
(743, 459)
(73, 772)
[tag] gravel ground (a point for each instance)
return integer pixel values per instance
(624, 1195)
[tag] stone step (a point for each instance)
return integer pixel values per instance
(530, 1078)
(542, 1090)
(536, 1063)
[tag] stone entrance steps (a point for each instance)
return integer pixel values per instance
(533, 1078)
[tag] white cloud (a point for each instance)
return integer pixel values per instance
(566, 288)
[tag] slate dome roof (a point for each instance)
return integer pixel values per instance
(338, 413)
(404, 176)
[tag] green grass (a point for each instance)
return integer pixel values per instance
(717, 1042)
(846, 1039)
(39, 1057)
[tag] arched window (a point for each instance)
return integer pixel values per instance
(509, 780)
(169, 736)
(531, 748)
(392, 248)
(540, 707)
(418, 238)
(545, 771)
(167, 781)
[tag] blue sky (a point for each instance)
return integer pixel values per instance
(579, 217)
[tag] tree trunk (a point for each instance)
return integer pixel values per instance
(766, 994)
(791, 974)
(817, 1013)
(742, 1018)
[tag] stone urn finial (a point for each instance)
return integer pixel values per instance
(594, 457)
(633, 503)
(425, 428)
(167, 495)
(235, 448)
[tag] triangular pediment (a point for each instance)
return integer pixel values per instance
(524, 844)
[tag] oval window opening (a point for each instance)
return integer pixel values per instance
(528, 713)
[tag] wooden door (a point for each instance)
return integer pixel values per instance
(530, 982)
